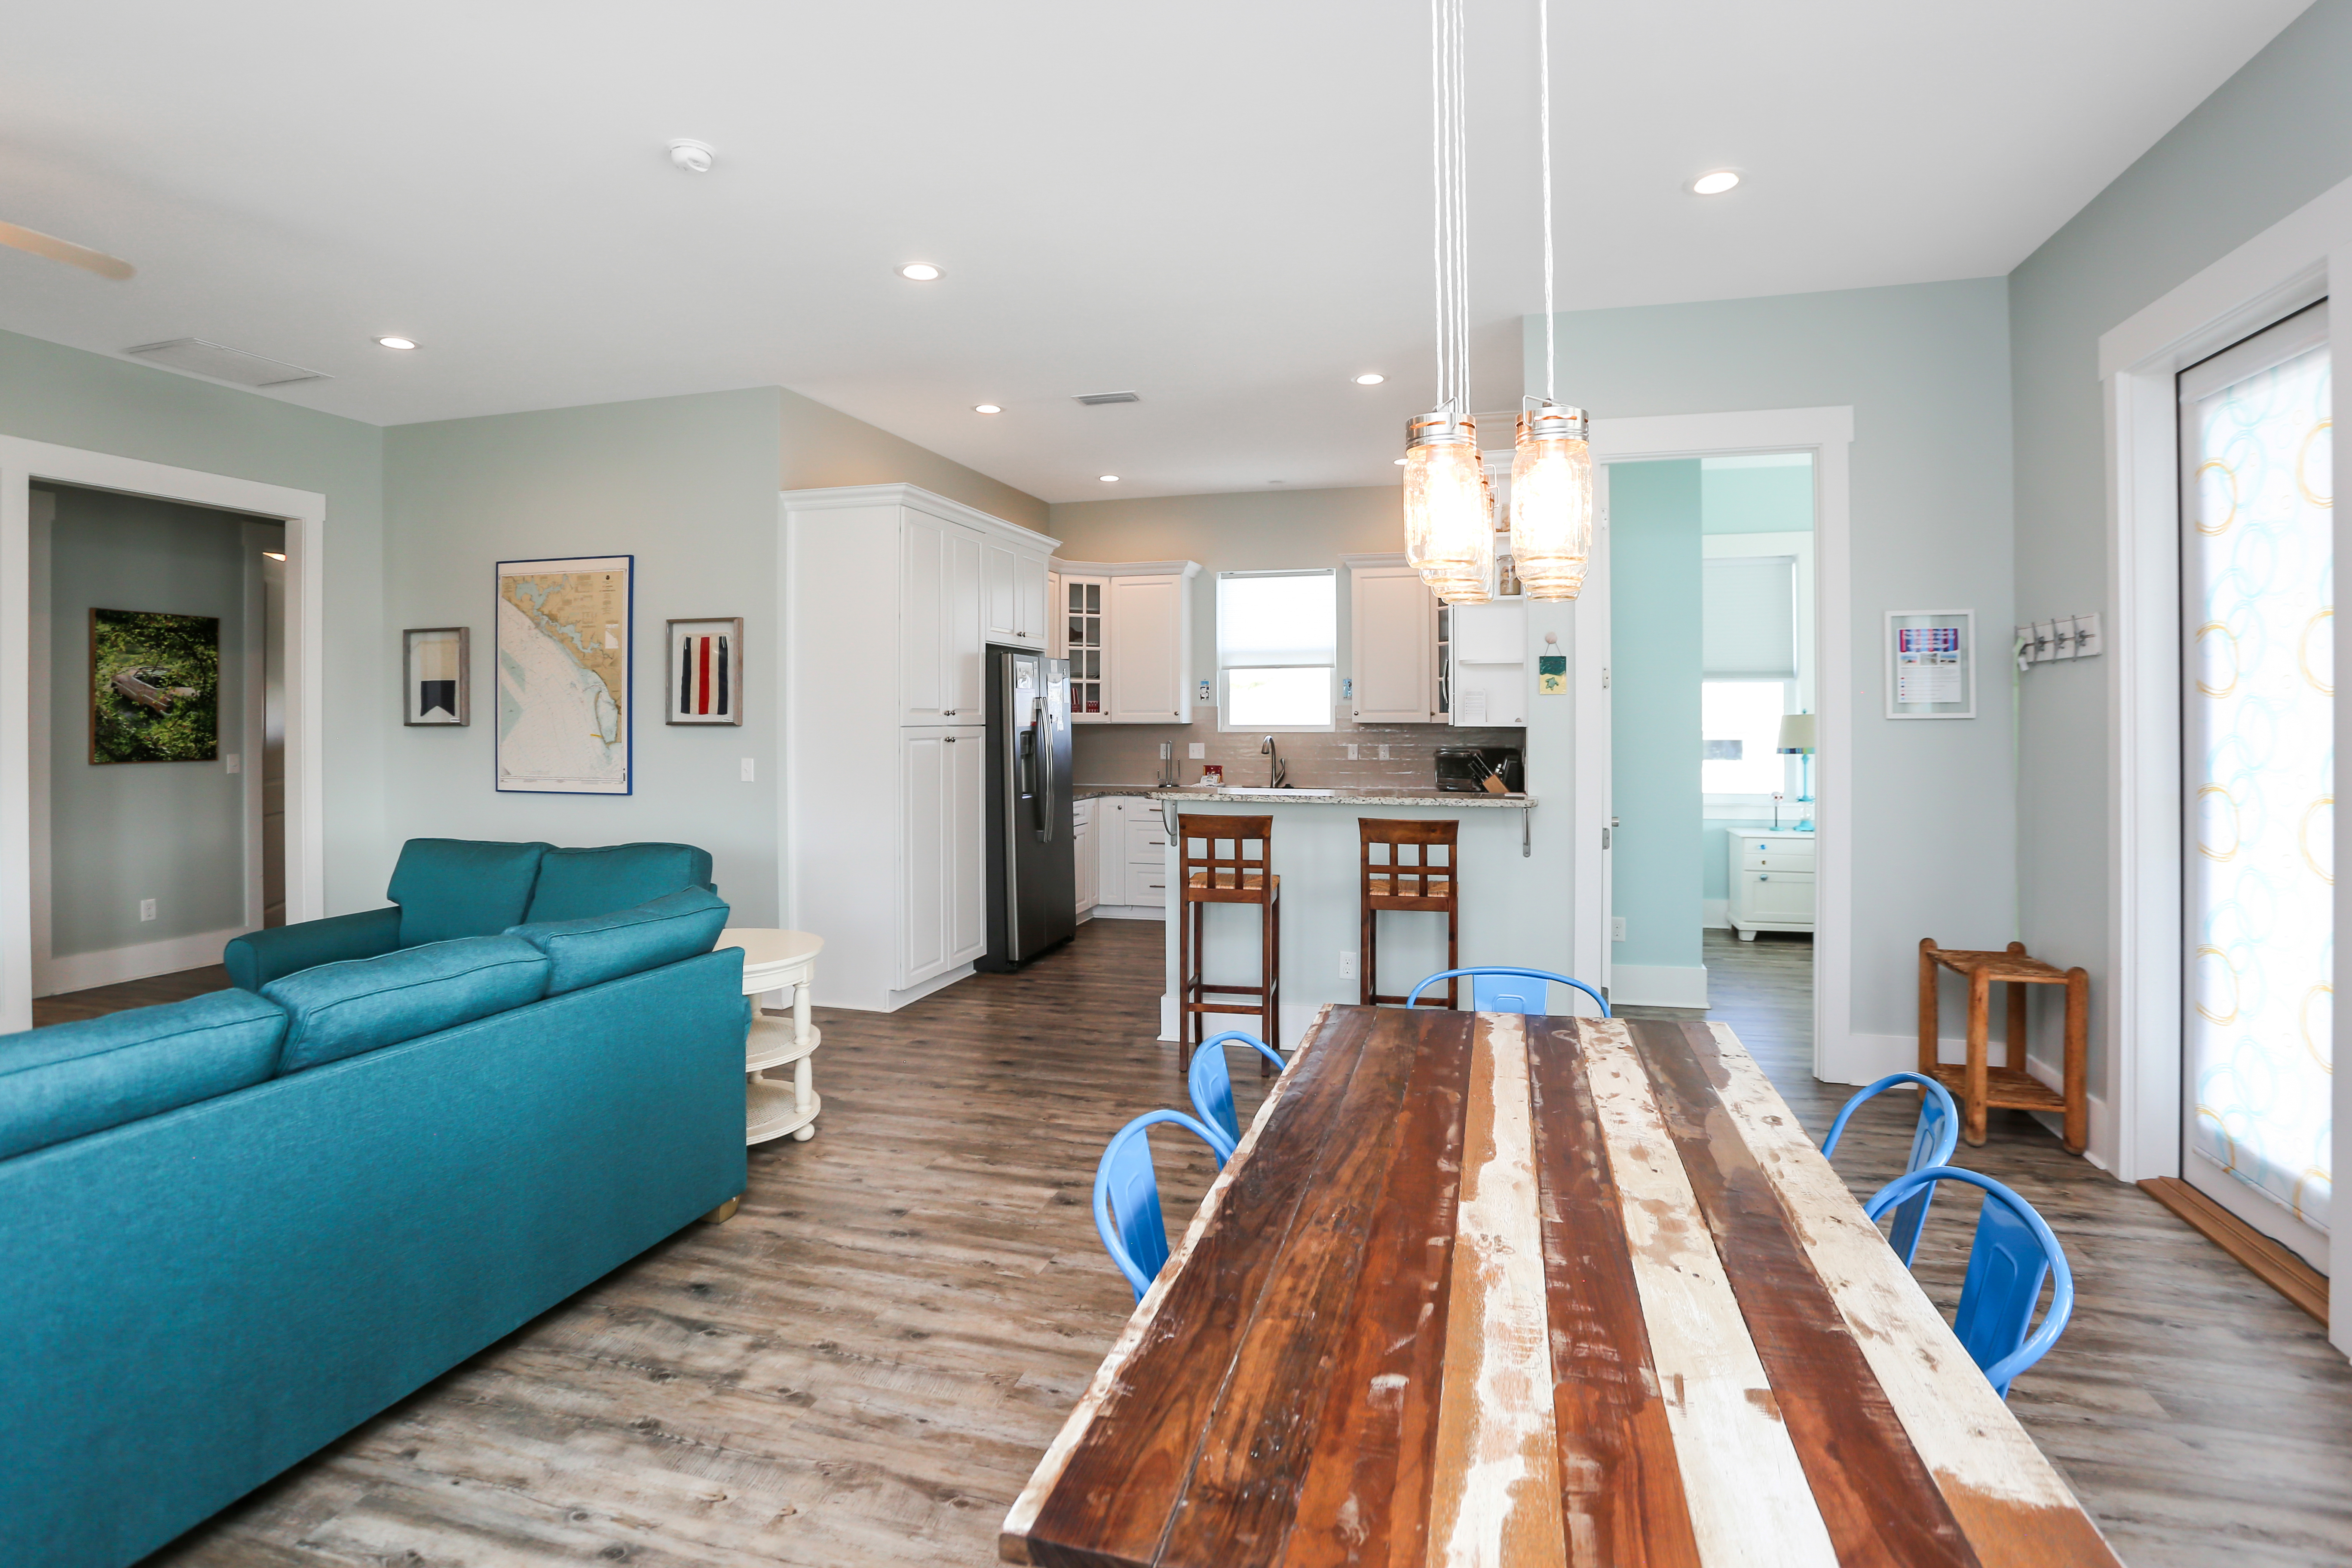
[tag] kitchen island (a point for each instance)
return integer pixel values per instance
(1509, 913)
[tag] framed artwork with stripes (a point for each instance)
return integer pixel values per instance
(706, 671)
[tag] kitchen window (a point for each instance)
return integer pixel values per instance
(1278, 649)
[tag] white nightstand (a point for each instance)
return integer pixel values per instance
(1771, 874)
(774, 960)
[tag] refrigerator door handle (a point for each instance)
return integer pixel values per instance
(1041, 747)
(1009, 691)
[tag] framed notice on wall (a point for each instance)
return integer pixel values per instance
(564, 708)
(1931, 664)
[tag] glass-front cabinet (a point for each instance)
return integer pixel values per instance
(1082, 642)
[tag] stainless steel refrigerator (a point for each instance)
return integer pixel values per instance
(1032, 867)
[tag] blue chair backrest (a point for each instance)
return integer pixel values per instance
(1932, 1143)
(1127, 1197)
(1504, 989)
(2014, 1251)
(1210, 1082)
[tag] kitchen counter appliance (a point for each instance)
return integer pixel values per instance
(1463, 770)
(1032, 864)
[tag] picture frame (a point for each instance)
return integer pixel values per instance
(703, 672)
(436, 677)
(1931, 664)
(154, 687)
(565, 646)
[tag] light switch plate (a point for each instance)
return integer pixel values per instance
(1616, 928)
(747, 770)
(146, 908)
(1351, 753)
(235, 762)
(1196, 751)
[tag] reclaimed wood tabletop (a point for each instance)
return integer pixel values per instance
(1484, 1290)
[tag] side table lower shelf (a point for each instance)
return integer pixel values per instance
(771, 1108)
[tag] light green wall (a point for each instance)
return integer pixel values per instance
(49, 393)
(823, 447)
(1654, 670)
(688, 485)
(1252, 531)
(1926, 369)
(1756, 501)
(2272, 137)
(120, 832)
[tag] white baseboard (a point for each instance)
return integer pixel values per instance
(80, 971)
(1657, 984)
(1715, 915)
(1130, 912)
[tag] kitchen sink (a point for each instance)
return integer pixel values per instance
(1260, 789)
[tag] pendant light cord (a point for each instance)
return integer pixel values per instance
(1543, 117)
(1449, 170)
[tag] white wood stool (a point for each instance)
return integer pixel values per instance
(777, 960)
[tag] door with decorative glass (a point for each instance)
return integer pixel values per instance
(1082, 633)
(2258, 748)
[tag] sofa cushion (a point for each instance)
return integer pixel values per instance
(339, 1010)
(70, 1079)
(449, 887)
(606, 947)
(576, 883)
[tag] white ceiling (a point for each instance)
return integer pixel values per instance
(1221, 206)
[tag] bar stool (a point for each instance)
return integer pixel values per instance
(1407, 874)
(1224, 871)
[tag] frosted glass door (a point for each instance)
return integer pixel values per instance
(2258, 741)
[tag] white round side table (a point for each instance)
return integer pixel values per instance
(776, 961)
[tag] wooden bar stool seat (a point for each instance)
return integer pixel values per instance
(1226, 860)
(1978, 1083)
(1408, 868)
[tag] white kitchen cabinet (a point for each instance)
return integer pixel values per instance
(1771, 874)
(1013, 593)
(1391, 642)
(885, 810)
(1085, 846)
(1033, 599)
(1081, 626)
(1131, 841)
(1488, 654)
(1149, 627)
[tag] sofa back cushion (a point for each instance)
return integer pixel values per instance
(339, 1010)
(70, 1079)
(606, 947)
(576, 883)
(449, 887)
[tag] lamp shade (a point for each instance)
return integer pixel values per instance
(1448, 528)
(1796, 733)
(1551, 501)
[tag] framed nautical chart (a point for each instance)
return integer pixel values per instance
(564, 675)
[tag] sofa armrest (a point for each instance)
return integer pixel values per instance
(258, 957)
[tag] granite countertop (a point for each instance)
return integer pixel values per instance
(1361, 795)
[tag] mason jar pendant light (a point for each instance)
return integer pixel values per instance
(1551, 467)
(1448, 509)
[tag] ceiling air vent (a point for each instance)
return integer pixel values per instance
(198, 357)
(1093, 399)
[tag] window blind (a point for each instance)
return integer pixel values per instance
(1748, 617)
(1276, 619)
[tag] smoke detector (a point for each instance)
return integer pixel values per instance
(694, 157)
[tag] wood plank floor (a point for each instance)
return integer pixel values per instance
(864, 1366)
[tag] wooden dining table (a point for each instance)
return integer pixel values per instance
(1480, 1289)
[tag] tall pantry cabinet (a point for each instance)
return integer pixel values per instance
(890, 596)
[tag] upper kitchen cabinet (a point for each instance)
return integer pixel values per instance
(940, 616)
(1392, 642)
(1015, 600)
(1127, 629)
(1487, 681)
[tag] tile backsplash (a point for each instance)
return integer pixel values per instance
(1129, 753)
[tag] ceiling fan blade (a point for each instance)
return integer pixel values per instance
(65, 250)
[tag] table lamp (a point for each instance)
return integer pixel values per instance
(1797, 741)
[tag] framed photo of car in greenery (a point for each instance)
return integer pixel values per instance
(154, 687)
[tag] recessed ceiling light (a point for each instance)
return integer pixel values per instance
(397, 343)
(1400, 462)
(1110, 478)
(986, 408)
(920, 272)
(1715, 182)
(1370, 378)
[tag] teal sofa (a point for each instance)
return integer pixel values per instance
(235, 1228)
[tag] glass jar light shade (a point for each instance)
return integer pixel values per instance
(1551, 501)
(1448, 536)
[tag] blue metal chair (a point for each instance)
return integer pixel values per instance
(1492, 989)
(2014, 1251)
(1211, 1084)
(1937, 1135)
(1127, 1195)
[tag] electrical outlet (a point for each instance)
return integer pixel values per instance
(1346, 963)
(1616, 928)
(1167, 750)
(235, 763)
(146, 908)
(747, 770)
(1351, 751)
(1384, 753)
(1196, 751)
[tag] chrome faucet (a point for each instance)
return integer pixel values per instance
(1277, 775)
